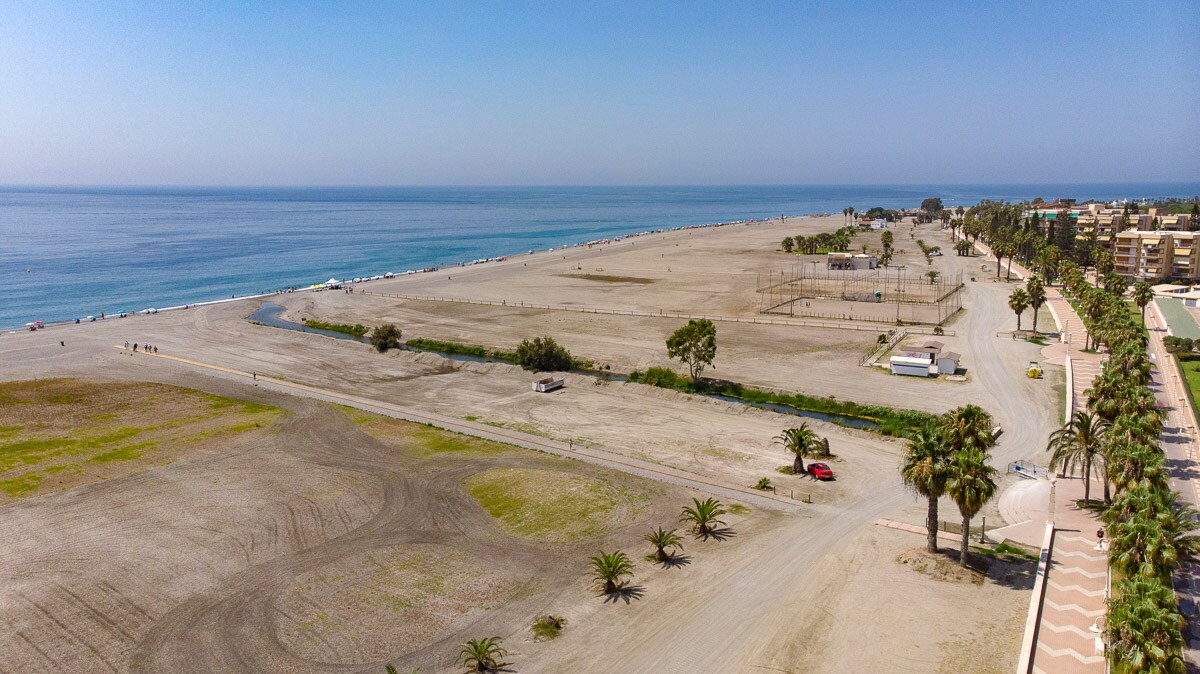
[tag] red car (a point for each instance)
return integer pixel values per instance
(821, 471)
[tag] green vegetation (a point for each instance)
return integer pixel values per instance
(661, 540)
(694, 344)
(608, 568)
(548, 627)
(482, 655)
(1006, 550)
(384, 337)
(704, 516)
(66, 428)
(456, 348)
(799, 442)
(357, 330)
(543, 354)
(610, 279)
(824, 242)
(763, 484)
(551, 505)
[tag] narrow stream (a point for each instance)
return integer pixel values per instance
(269, 314)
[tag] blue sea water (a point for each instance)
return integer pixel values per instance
(69, 251)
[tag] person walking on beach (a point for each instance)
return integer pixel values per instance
(135, 346)
(127, 344)
(155, 349)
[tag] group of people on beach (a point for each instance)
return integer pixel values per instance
(145, 347)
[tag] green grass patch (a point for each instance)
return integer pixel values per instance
(1189, 366)
(126, 453)
(551, 505)
(547, 627)
(356, 330)
(1006, 550)
(20, 486)
(459, 349)
(606, 278)
(888, 420)
(737, 509)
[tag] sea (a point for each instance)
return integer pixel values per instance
(70, 252)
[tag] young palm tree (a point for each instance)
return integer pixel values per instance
(1142, 294)
(482, 655)
(1037, 296)
(661, 540)
(1079, 444)
(610, 567)
(798, 442)
(971, 485)
(1144, 627)
(704, 515)
(1018, 301)
(1154, 543)
(925, 470)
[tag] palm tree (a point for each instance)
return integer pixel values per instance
(1144, 627)
(1142, 294)
(933, 276)
(1079, 443)
(1037, 296)
(799, 442)
(482, 655)
(610, 567)
(925, 471)
(704, 515)
(1154, 543)
(971, 485)
(967, 427)
(661, 540)
(1018, 301)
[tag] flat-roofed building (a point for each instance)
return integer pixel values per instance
(1156, 255)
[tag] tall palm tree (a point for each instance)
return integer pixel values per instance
(661, 540)
(610, 567)
(1018, 301)
(925, 470)
(798, 442)
(704, 515)
(482, 655)
(1037, 296)
(1079, 443)
(1144, 627)
(972, 484)
(1154, 543)
(1142, 294)
(967, 427)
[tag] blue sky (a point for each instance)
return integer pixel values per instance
(509, 93)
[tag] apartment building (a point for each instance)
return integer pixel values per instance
(1156, 255)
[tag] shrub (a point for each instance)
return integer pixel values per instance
(384, 337)
(763, 484)
(543, 354)
(548, 627)
(661, 377)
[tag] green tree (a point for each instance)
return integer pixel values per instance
(694, 344)
(932, 276)
(1037, 296)
(788, 244)
(971, 484)
(1153, 543)
(967, 427)
(384, 337)
(1080, 443)
(704, 515)
(887, 239)
(932, 205)
(609, 568)
(925, 470)
(482, 655)
(799, 442)
(1018, 301)
(1143, 293)
(1144, 628)
(543, 354)
(661, 540)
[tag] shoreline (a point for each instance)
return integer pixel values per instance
(320, 286)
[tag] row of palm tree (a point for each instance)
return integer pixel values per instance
(1033, 295)
(609, 569)
(1117, 436)
(949, 456)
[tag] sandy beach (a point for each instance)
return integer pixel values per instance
(726, 608)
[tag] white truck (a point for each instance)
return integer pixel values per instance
(548, 384)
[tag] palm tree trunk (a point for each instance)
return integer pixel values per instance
(1035, 312)
(1087, 477)
(966, 532)
(1018, 322)
(931, 525)
(798, 465)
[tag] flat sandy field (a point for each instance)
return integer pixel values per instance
(182, 515)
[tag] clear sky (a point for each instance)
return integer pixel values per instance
(506, 92)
